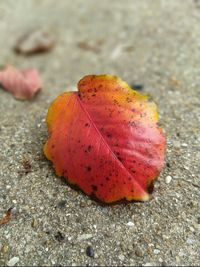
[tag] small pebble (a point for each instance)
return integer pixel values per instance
(190, 241)
(168, 165)
(197, 226)
(131, 224)
(84, 237)
(184, 145)
(177, 259)
(34, 223)
(13, 261)
(90, 251)
(177, 144)
(4, 249)
(156, 251)
(191, 229)
(137, 87)
(121, 257)
(148, 264)
(168, 179)
(14, 211)
(138, 252)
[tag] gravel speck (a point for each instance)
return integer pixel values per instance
(59, 236)
(85, 237)
(168, 179)
(190, 241)
(149, 264)
(121, 257)
(90, 251)
(13, 261)
(184, 145)
(131, 224)
(177, 144)
(139, 252)
(156, 251)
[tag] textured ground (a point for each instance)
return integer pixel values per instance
(156, 43)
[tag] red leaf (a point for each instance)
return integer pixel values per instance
(105, 139)
(22, 84)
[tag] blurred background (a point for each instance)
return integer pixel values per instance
(145, 41)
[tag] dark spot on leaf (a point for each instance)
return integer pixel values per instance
(89, 148)
(119, 158)
(88, 168)
(109, 135)
(129, 100)
(107, 178)
(94, 188)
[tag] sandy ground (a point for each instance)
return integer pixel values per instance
(151, 42)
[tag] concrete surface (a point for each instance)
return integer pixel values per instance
(156, 43)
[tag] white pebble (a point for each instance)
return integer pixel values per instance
(156, 251)
(177, 144)
(121, 257)
(192, 229)
(184, 145)
(197, 226)
(190, 241)
(131, 224)
(84, 237)
(168, 179)
(13, 261)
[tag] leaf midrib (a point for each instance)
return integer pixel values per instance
(97, 130)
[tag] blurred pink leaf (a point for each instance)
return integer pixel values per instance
(22, 84)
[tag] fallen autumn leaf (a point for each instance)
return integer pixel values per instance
(105, 139)
(36, 41)
(22, 84)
